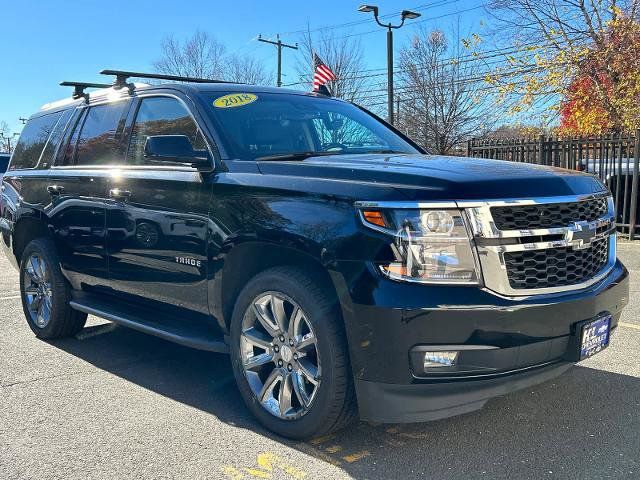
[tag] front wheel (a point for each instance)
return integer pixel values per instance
(289, 355)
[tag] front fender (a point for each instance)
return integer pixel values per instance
(251, 231)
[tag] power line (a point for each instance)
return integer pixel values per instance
(476, 76)
(457, 12)
(472, 57)
(353, 23)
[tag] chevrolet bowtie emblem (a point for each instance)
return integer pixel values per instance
(579, 235)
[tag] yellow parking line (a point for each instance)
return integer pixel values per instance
(319, 440)
(354, 457)
(314, 452)
(630, 325)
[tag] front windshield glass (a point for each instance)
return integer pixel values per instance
(264, 125)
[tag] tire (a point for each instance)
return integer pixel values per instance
(332, 400)
(47, 283)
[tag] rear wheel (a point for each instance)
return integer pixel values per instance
(289, 355)
(45, 293)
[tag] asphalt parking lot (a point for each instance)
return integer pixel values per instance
(113, 403)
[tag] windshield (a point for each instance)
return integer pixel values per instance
(266, 125)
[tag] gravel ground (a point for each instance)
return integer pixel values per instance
(113, 403)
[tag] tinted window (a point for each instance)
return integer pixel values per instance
(100, 136)
(4, 162)
(32, 140)
(277, 124)
(52, 145)
(161, 116)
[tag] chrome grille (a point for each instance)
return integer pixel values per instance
(543, 245)
(551, 215)
(555, 267)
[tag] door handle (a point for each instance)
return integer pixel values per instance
(120, 194)
(55, 189)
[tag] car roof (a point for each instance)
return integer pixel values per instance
(187, 88)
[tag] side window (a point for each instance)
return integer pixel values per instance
(32, 141)
(99, 142)
(161, 116)
(67, 149)
(51, 147)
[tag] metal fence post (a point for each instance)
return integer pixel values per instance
(634, 186)
(540, 150)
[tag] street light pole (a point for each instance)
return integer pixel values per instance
(390, 74)
(405, 14)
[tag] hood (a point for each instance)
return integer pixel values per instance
(424, 177)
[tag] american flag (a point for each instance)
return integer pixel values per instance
(322, 74)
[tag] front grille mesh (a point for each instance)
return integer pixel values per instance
(555, 267)
(550, 215)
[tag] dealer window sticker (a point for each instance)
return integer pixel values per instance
(234, 100)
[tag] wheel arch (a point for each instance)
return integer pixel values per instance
(27, 229)
(245, 261)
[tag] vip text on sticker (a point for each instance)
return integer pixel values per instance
(234, 100)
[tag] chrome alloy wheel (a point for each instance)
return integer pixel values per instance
(280, 355)
(37, 290)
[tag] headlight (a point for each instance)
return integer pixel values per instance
(429, 246)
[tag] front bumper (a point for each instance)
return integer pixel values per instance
(392, 403)
(530, 340)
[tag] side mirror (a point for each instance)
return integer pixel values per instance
(176, 149)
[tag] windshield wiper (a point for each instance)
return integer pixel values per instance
(303, 155)
(294, 156)
(380, 151)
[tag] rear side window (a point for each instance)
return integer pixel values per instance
(54, 140)
(99, 142)
(32, 141)
(161, 116)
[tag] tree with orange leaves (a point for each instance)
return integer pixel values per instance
(604, 95)
(575, 58)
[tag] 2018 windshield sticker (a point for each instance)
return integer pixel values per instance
(234, 100)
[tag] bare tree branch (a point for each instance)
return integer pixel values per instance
(439, 109)
(204, 56)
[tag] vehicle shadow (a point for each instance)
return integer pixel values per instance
(585, 424)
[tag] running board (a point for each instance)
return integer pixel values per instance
(197, 338)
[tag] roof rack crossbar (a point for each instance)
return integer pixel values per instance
(78, 87)
(123, 76)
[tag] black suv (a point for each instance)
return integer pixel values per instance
(344, 271)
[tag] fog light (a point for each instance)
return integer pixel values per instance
(439, 359)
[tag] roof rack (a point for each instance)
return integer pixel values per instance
(123, 76)
(78, 87)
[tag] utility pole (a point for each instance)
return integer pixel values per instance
(279, 44)
(23, 120)
(8, 139)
